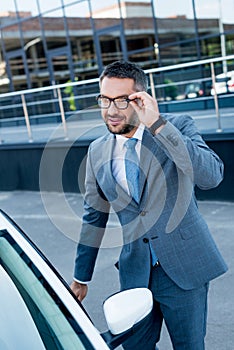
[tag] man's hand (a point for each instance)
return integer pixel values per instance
(145, 106)
(80, 290)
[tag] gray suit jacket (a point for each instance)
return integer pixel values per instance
(167, 217)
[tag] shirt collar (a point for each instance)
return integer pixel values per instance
(137, 135)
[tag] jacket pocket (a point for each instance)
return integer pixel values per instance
(195, 228)
(186, 234)
(189, 231)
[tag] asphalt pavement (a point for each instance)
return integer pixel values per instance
(52, 221)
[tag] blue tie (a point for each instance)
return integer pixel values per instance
(132, 168)
(153, 255)
(132, 176)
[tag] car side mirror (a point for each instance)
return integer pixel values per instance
(124, 309)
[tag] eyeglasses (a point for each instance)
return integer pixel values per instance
(120, 102)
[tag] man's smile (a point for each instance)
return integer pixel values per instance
(114, 121)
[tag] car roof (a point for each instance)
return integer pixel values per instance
(229, 74)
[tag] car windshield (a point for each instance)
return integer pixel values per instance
(36, 315)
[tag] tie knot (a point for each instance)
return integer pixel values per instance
(131, 143)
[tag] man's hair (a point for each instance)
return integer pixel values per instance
(124, 69)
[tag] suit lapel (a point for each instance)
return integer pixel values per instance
(105, 174)
(149, 149)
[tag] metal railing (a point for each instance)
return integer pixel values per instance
(55, 104)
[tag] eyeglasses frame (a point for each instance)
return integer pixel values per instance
(113, 100)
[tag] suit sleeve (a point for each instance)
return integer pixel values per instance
(184, 145)
(95, 217)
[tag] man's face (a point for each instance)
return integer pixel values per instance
(119, 121)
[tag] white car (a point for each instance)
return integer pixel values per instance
(38, 310)
(224, 83)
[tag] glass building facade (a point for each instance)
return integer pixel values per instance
(49, 42)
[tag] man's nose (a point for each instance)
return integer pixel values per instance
(112, 109)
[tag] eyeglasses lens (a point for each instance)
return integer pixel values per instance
(120, 103)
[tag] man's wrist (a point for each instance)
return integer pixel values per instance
(157, 124)
(81, 282)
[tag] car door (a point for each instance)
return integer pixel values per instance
(37, 309)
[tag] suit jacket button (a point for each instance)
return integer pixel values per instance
(145, 240)
(143, 213)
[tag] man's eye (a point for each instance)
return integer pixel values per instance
(120, 100)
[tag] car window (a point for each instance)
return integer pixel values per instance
(54, 323)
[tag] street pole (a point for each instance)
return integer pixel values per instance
(222, 38)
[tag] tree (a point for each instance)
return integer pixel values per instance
(171, 89)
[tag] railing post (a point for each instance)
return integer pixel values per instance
(215, 97)
(62, 113)
(152, 85)
(27, 121)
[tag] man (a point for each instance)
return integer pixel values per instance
(167, 245)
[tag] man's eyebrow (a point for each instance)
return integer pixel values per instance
(122, 96)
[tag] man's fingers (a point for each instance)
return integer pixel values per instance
(80, 290)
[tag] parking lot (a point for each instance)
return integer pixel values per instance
(43, 218)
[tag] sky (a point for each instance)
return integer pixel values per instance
(164, 8)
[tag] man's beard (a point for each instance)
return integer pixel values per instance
(127, 128)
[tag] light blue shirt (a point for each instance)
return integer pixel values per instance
(118, 166)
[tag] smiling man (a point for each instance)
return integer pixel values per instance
(146, 168)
